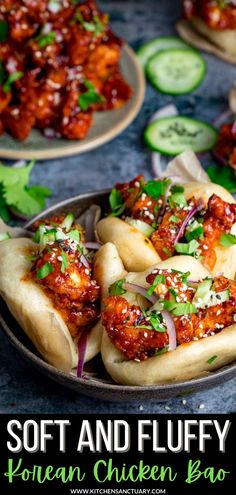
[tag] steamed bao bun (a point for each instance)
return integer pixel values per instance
(137, 251)
(35, 312)
(187, 361)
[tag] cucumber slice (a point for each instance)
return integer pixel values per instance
(173, 135)
(146, 51)
(176, 71)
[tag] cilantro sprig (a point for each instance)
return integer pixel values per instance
(224, 176)
(15, 76)
(46, 39)
(96, 26)
(89, 97)
(117, 289)
(116, 203)
(17, 194)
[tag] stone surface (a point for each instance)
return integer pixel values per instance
(22, 389)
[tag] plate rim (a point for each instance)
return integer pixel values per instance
(79, 147)
(115, 390)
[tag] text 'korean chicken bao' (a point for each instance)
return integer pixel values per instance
(59, 62)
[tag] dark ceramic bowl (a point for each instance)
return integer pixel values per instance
(96, 382)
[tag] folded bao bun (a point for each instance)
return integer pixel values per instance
(136, 250)
(35, 312)
(187, 361)
(225, 256)
(108, 267)
(199, 34)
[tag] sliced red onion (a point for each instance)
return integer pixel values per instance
(82, 345)
(51, 133)
(19, 164)
(170, 325)
(84, 261)
(185, 222)
(234, 127)
(137, 289)
(222, 118)
(167, 111)
(47, 28)
(92, 245)
(220, 159)
(159, 162)
(89, 219)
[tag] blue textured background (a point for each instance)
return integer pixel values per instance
(22, 389)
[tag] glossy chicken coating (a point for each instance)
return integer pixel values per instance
(68, 282)
(122, 320)
(226, 145)
(49, 51)
(164, 238)
(216, 14)
(169, 219)
(138, 204)
(218, 219)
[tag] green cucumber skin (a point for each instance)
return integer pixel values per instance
(155, 42)
(149, 72)
(152, 147)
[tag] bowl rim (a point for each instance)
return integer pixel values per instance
(211, 377)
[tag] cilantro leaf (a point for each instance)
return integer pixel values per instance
(227, 240)
(3, 30)
(177, 197)
(46, 39)
(16, 193)
(224, 176)
(4, 213)
(116, 289)
(159, 279)
(156, 188)
(89, 97)
(116, 203)
(96, 26)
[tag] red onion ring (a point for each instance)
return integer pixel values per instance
(92, 245)
(84, 261)
(137, 289)
(82, 344)
(170, 330)
(222, 118)
(185, 222)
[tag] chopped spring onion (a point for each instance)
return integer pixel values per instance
(44, 271)
(64, 263)
(227, 240)
(82, 345)
(74, 235)
(212, 359)
(187, 248)
(68, 222)
(144, 227)
(179, 309)
(4, 236)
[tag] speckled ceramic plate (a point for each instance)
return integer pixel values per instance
(105, 127)
(96, 382)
